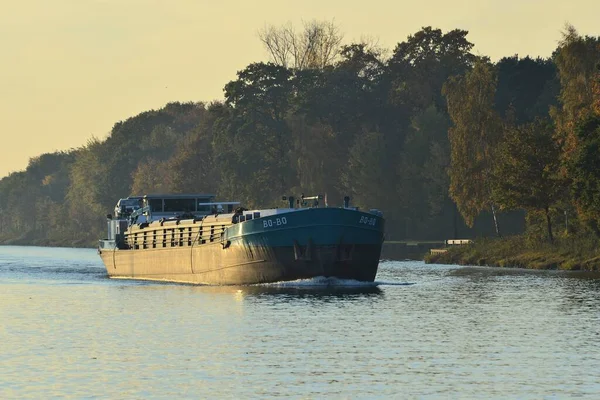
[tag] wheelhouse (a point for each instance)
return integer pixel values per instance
(158, 206)
(125, 207)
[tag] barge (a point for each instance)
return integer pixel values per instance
(194, 239)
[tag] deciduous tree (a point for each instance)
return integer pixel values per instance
(475, 132)
(526, 174)
(316, 46)
(584, 171)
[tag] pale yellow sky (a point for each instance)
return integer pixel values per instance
(70, 69)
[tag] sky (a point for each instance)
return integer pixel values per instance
(71, 69)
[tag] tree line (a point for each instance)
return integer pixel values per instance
(446, 143)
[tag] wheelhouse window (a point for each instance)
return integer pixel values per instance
(185, 205)
(206, 208)
(202, 200)
(156, 205)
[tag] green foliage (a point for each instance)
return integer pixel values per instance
(526, 174)
(422, 168)
(576, 59)
(473, 137)
(420, 65)
(365, 173)
(526, 87)
(191, 168)
(262, 89)
(151, 176)
(584, 171)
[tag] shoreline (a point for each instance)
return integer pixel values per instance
(24, 241)
(567, 254)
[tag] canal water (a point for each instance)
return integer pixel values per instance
(420, 331)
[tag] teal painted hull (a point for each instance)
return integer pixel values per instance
(325, 226)
(330, 242)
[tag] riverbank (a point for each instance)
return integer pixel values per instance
(30, 239)
(518, 252)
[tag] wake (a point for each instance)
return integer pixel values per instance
(330, 282)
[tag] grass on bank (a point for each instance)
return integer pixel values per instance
(567, 253)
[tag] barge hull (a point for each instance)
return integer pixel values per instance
(240, 264)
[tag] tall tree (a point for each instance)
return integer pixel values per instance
(316, 46)
(316, 158)
(527, 88)
(584, 171)
(421, 64)
(89, 183)
(596, 90)
(365, 175)
(151, 176)
(260, 98)
(476, 130)
(526, 175)
(422, 183)
(576, 58)
(192, 168)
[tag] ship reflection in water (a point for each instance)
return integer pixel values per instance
(319, 287)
